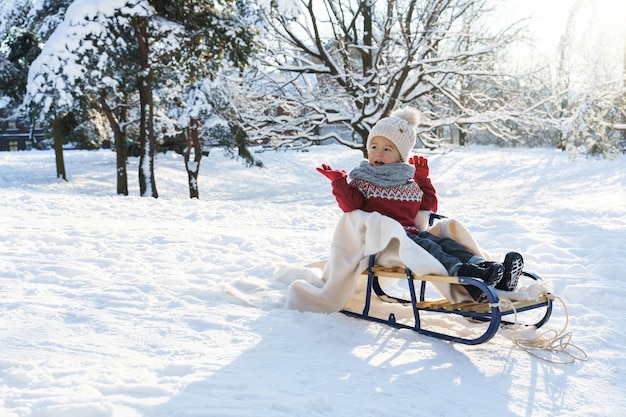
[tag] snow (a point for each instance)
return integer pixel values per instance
(131, 306)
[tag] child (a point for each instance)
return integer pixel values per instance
(387, 184)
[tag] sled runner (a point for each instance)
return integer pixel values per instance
(492, 311)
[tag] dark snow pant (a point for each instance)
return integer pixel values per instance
(448, 251)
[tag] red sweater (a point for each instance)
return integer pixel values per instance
(401, 202)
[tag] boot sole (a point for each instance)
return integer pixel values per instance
(513, 267)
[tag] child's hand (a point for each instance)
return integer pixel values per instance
(332, 174)
(421, 167)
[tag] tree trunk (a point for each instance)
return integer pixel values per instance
(368, 59)
(120, 147)
(194, 149)
(57, 135)
(565, 45)
(147, 183)
(624, 96)
(462, 135)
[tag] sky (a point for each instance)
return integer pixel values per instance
(598, 21)
(548, 20)
(114, 306)
(545, 20)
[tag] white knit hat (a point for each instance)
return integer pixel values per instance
(399, 128)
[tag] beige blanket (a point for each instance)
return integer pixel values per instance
(360, 234)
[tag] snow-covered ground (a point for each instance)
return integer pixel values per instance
(130, 306)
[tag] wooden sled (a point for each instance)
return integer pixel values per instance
(491, 312)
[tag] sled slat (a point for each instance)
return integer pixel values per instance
(482, 308)
(400, 273)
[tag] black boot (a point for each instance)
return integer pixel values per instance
(491, 274)
(513, 266)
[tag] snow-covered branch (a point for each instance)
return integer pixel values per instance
(348, 64)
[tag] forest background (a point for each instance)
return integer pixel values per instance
(295, 73)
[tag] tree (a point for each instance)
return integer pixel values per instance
(9, 79)
(622, 107)
(109, 56)
(591, 85)
(351, 63)
(23, 48)
(147, 183)
(213, 35)
(75, 72)
(112, 85)
(46, 97)
(118, 119)
(19, 46)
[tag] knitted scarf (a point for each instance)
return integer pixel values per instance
(389, 175)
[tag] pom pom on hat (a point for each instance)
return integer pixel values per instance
(399, 128)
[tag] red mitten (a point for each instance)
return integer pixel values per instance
(421, 167)
(332, 174)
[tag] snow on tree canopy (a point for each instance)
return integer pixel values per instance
(284, 7)
(54, 77)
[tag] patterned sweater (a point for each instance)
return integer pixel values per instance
(400, 202)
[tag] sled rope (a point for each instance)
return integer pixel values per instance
(550, 340)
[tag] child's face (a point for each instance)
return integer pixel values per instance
(382, 151)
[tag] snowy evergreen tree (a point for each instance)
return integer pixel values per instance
(109, 55)
(22, 47)
(70, 68)
(19, 46)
